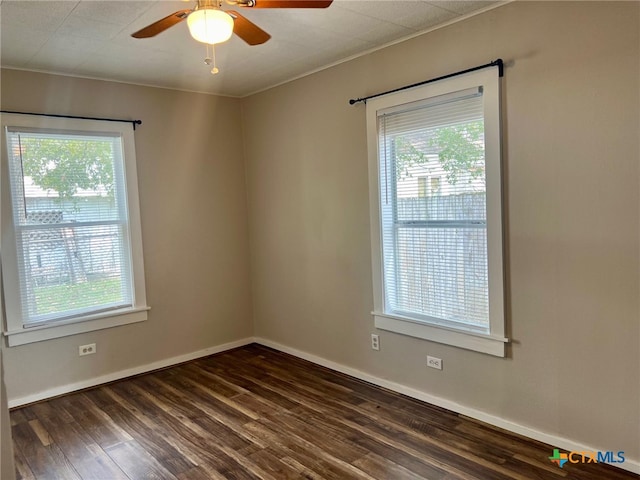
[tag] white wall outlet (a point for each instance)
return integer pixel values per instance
(375, 341)
(434, 362)
(88, 349)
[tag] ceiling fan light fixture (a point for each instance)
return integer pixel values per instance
(210, 25)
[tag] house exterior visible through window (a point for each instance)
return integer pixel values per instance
(435, 185)
(71, 248)
(436, 212)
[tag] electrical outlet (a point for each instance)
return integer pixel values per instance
(434, 362)
(375, 341)
(88, 349)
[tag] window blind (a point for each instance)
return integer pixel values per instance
(433, 209)
(70, 223)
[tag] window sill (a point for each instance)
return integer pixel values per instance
(89, 323)
(478, 342)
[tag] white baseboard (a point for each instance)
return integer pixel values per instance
(630, 465)
(92, 382)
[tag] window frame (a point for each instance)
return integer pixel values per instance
(491, 342)
(14, 328)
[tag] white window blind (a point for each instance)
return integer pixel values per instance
(70, 224)
(71, 244)
(435, 244)
(436, 212)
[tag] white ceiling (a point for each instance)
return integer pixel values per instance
(93, 39)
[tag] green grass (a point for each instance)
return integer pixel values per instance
(59, 298)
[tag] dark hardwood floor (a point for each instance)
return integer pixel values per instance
(257, 413)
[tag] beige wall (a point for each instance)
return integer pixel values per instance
(571, 141)
(194, 228)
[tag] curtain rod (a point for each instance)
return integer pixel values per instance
(497, 63)
(133, 122)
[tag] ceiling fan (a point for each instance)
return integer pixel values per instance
(208, 23)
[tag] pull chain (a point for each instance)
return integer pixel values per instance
(210, 58)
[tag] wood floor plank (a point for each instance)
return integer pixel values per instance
(201, 395)
(87, 458)
(81, 406)
(41, 432)
(137, 463)
(383, 468)
(201, 473)
(180, 406)
(282, 401)
(18, 416)
(296, 443)
(255, 413)
(218, 384)
(23, 471)
(473, 429)
(100, 429)
(144, 432)
(215, 438)
(299, 451)
(305, 472)
(248, 464)
(45, 462)
(275, 467)
(47, 409)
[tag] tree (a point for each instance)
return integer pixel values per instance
(460, 151)
(406, 157)
(67, 165)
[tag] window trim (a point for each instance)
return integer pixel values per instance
(14, 329)
(494, 342)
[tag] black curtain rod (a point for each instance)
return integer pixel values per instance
(133, 122)
(497, 63)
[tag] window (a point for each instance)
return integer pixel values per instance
(422, 186)
(437, 255)
(431, 188)
(435, 185)
(71, 243)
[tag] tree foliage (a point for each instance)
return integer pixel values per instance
(407, 156)
(460, 151)
(67, 165)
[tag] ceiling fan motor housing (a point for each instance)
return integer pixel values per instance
(210, 25)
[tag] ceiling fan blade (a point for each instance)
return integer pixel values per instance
(161, 25)
(285, 3)
(247, 30)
